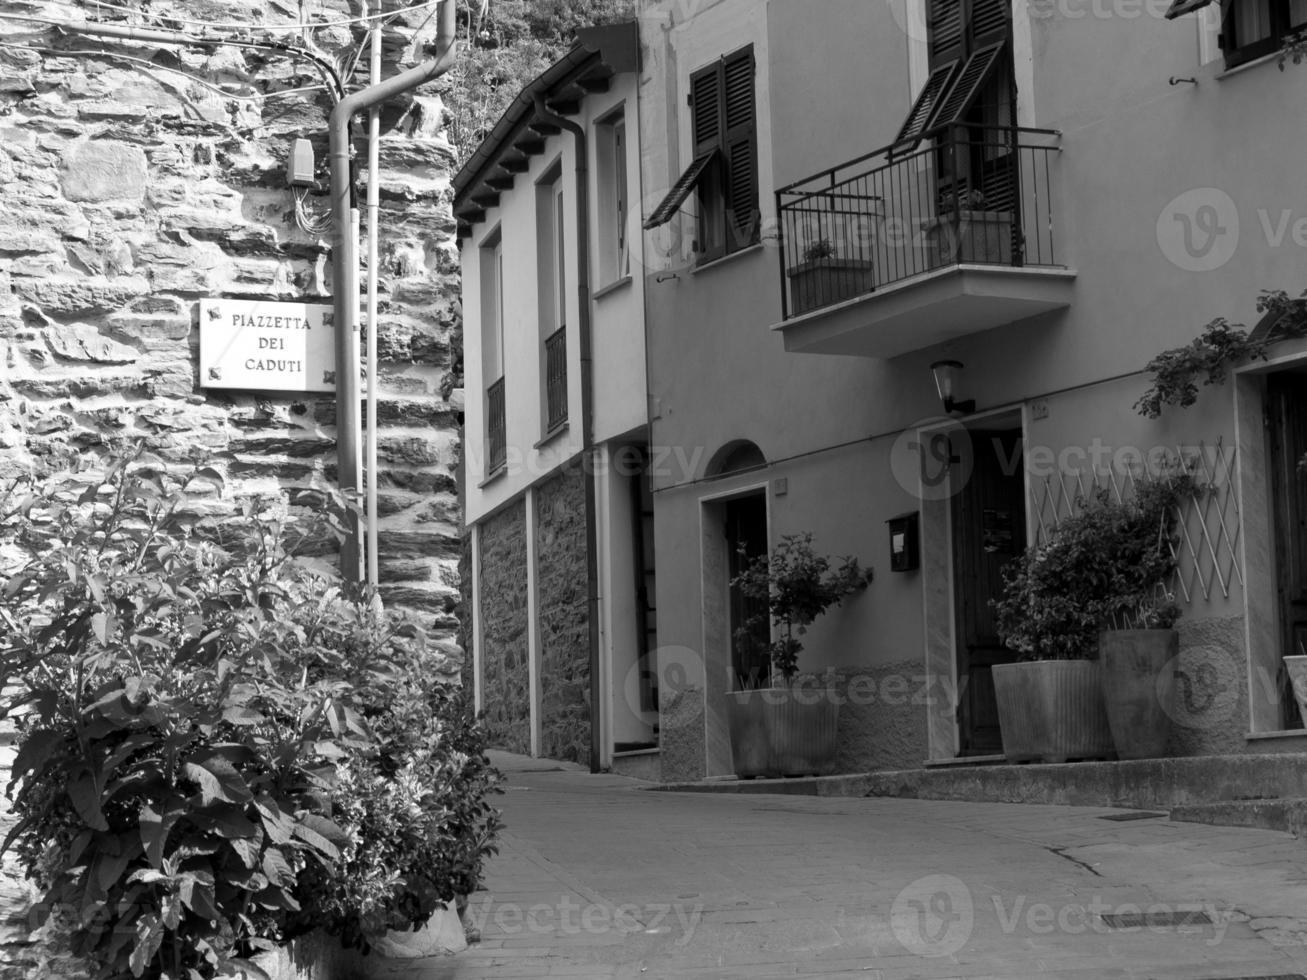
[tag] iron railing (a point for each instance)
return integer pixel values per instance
(957, 194)
(497, 428)
(556, 379)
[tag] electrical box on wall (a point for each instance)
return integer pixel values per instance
(299, 168)
(904, 549)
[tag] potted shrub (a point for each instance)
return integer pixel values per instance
(787, 730)
(824, 278)
(1102, 567)
(971, 233)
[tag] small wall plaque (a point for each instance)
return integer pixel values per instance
(258, 346)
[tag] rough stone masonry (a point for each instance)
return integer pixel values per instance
(137, 179)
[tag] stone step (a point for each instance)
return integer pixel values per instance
(1144, 784)
(1288, 815)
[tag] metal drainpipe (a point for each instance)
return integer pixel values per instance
(582, 172)
(345, 274)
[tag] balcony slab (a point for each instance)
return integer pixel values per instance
(929, 309)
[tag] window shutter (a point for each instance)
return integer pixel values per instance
(923, 110)
(971, 79)
(741, 147)
(988, 22)
(944, 24)
(667, 208)
(706, 109)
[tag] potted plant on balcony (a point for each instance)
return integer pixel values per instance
(787, 730)
(967, 230)
(824, 277)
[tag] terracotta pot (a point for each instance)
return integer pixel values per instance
(1139, 689)
(1297, 668)
(781, 731)
(1052, 711)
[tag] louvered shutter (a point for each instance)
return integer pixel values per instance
(706, 109)
(740, 148)
(923, 111)
(944, 24)
(988, 23)
(970, 80)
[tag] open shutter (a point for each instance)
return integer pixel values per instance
(741, 149)
(706, 109)
(923, 112)
(670, 204)
(971, 79)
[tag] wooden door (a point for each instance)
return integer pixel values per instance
(989, 530)
(746, 539)
(1287, 431)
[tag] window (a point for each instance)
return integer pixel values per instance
(552, 277)
(724, 171)
(614, 249)
(970, 95)
(492, 350)
(1253, 28)
(1250, 28)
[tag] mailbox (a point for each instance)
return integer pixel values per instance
(904, 550)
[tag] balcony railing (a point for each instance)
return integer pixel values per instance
(496, 429)
(556, 379)
(959, 195)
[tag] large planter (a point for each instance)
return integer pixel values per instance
(1297, 668)
(826, 281)
(783, 732)
(982, 237)
(1139, 689)
(1052, 711)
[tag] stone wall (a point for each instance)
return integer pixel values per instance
(505, 674)
(136, 179)
(564, 618)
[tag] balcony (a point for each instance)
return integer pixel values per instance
(556, 380)
(496, 429)
(923, 242)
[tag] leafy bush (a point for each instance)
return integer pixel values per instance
(1105, 565)
(194, 704)
(791, 588)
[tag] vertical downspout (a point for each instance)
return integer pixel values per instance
(374, 235)
(345, 273)
(588, 468)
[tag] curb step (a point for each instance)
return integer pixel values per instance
(1288, 815)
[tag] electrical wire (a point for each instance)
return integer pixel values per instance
(290, 28)
(152, 67)
(319, 226)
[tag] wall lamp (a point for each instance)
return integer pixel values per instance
(947, 375)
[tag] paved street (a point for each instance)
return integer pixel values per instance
(598, 878)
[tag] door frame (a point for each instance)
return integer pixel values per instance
(1262, 617)
(939, 606)
(714, 589)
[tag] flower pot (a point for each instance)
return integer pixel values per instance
(1138, 669)
(826, 281)
(967, 236)
(1052, 711)
(783, 731)
(1297, 668)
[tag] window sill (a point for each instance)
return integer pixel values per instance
(612, 287)
(725, 259)
(551, 435)
(1247, 66)
(494, 476)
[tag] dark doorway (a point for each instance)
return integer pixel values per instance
(989, 530)
(746, 539)
(1286, 416)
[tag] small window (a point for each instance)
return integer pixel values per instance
(1254, 28)
(724, 171)
(614, 247)
(492, 308)
(551, 257)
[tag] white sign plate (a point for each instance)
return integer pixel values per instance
(258, 346)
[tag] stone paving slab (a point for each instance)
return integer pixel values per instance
(599, 879)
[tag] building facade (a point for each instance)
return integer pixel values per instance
(852, 210)
(557, 502)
